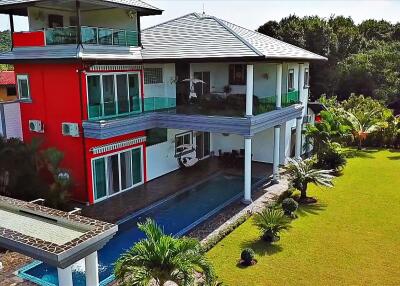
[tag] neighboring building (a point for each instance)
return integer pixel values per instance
(10, 116)
(123, 106)
(8, 91)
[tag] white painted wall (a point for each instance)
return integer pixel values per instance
(107, 18)
(165, 89)
(161, 157)
(226, 143)
(10, 113)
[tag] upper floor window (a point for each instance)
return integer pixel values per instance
(237, 74)
(23, 87)
(11, 91)
(153, 75)
(291, 80)
(113, 94)
(306, 78)
(56, 21)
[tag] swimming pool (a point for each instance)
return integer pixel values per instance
(176, 214)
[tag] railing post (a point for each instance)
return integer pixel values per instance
(278, 86)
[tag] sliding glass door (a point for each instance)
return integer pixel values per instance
(117, 172)
(111, 95)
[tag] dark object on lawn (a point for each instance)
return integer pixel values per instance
(247, 257)
(289, 206)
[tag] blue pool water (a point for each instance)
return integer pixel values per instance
(177, 215)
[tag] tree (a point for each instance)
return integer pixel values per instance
(160, 258)
(5, 45)
(376, 30)
(302, 173)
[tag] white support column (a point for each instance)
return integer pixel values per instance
(249, 90)
(278, 86)
(275, 168)
(299, 125)
(92, 269)
(301, 83)
(247, 171)
(65, 276)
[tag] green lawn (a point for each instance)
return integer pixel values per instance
(351, 237)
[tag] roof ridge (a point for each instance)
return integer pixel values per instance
(275, 39)
(170, 20)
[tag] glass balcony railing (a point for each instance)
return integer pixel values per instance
(290, 98)
(159, 103)
(91, 36)
(264, 104)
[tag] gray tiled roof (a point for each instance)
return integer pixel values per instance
(132, 3)
(202, 36)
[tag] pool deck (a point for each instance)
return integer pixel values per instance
(117, 207)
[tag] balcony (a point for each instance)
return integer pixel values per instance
(67, 35)
(91, 36)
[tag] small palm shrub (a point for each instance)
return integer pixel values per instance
(270, 222)
(160, 258)
(289, 206)
(302, 172)
(247, 256)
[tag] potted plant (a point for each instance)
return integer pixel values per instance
(247, 257)
(289, 206)
(270, 222)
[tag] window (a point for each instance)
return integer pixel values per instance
(56, 21)
(156, 136)
(291, 80)
(11, 91)
(181, 140)
(237, 74)
(23, 87)
(113, 94)
(117, 172)
(153, 75)
(306, 78)
(202, 88)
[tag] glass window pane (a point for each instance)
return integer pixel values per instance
(99, 178)
(105, 36)
(23, 88)
(109, 95)
(126, 170)
(94, 96)
(134, 93)
(113, 174)
(137, 165)
(122, 93)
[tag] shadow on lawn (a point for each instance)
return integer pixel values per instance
(394, 157)
(365, 153)
(261, 247)
(312, 209)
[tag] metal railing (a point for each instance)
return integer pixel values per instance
(91, 36)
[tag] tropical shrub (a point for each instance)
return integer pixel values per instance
(270, 222)
(160, 258)
(247, 256)
(289, 206)
(331, 157)
(302, 172)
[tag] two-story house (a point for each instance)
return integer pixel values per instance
(128, 106)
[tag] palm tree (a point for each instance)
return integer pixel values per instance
(270, 222)
(363, 123)
(160, 258)
(302, 173)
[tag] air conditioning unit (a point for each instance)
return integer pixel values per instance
(36, 126)
(70, 129)
(307, 119)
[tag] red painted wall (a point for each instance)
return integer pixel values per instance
(55, 95)
(29, 39)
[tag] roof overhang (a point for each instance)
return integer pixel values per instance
(21, 9)
(68, 239)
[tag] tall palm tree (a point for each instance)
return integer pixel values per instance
(302, 173)
(363, 123)
(160, 258)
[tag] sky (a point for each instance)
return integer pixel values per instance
(252, 14)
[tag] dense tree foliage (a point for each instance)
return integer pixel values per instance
(362, 59)
(5, 44)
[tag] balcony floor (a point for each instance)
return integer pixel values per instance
(124, 204)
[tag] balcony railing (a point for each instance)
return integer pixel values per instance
(91, 36)
(290, 98)
(159, 103)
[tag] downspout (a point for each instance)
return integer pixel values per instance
(11, 30)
